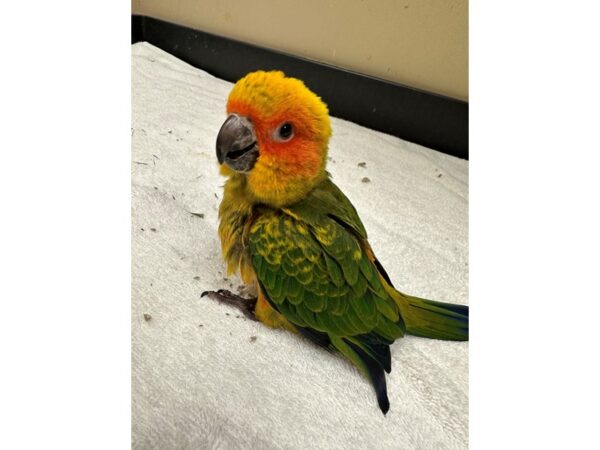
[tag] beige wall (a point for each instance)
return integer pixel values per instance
(420, 43)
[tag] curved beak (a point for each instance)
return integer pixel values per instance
(236, 144)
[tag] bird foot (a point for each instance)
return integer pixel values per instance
(246, 305)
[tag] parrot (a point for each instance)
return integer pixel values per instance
(294, 236)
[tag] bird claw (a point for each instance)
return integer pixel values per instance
(246, 305)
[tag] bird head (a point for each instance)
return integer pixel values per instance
(275, 137)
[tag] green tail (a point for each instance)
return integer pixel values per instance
(437, 320)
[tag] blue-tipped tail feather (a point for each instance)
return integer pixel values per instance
(436, 320)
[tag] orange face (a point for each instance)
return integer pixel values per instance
(276, 136)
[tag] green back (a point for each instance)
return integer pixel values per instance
(313, 269)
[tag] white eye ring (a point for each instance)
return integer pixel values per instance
(284, 132)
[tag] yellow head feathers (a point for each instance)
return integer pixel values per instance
(290, 127)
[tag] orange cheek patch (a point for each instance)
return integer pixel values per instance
(296, 158)
(301, 150)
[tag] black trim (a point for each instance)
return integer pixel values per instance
(432, 120)
(137, 33)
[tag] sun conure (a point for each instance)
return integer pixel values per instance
(290, 231)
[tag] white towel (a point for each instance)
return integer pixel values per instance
(204, 377)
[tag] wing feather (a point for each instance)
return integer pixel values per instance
(317, 275)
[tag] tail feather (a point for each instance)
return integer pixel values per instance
(369, 352)
(375, 348)
(432, 319)
(368, 365)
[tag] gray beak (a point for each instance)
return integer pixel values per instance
(236, 144)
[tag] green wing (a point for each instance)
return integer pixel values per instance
(328, 200)
(313, 269)
(317, 275)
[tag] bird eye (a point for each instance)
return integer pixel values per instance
(286, 131)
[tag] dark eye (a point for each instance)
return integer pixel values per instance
(285, 131)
